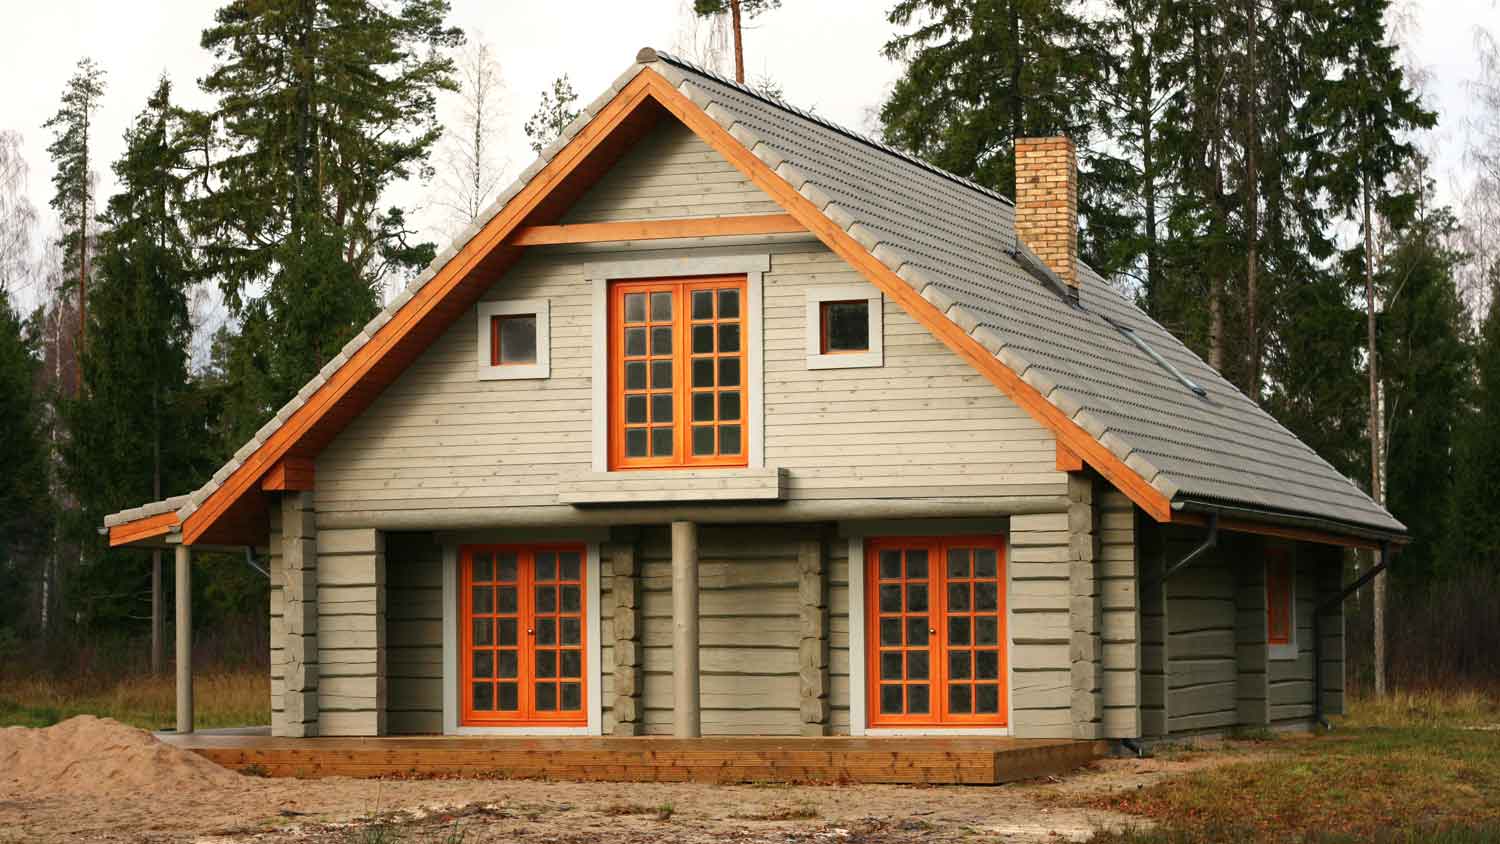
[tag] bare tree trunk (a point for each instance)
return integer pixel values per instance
(83, 261)
(1252, 210)
(739, 47)
(1376, 492)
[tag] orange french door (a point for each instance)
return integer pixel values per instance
(935, 612)
(522, 612)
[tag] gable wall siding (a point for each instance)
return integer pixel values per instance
(923, 425)
(669, 174)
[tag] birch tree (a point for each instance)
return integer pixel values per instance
(471, 164)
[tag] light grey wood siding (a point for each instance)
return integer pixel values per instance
(276, 567)
(414, 637)
(838, 637)
(1121, 629)
(1291, 680)
(670, 174)
(1201, 664)
(750, 629)
(924, 425)
(1040, 626)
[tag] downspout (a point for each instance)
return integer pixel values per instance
(1318, 613)
(250, 561)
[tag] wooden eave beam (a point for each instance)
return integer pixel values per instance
(733, 226)
(1067, 459)
(1299, 534)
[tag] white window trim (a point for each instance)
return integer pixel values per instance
(858, 657)
(816, 296)
(487, 311)
(752, 267)
(1289, 650)
(594, 685)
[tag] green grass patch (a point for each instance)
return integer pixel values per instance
(1408, 769)
(221, 699)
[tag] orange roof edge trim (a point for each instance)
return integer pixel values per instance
(143, 528)
(650, 84)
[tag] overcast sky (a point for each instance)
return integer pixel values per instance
(824, 53)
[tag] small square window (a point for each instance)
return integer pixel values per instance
(513, 340)
(844, 328)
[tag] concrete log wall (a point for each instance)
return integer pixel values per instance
(352, 653)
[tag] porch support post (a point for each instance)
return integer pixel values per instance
(299, 588)
(686, 717)
(184, 639)
(812, 592)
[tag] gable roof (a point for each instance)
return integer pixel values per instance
(943, 247)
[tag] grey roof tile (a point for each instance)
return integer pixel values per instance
(959, 237)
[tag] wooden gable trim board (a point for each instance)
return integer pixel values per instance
(648, 86)
(143, 528)
(425, 302)
(1067, 459)
(291, 474)
(748, 224)
(1081, 442)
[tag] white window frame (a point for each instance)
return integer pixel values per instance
(816, 296)
(858, 534)
(542, 310)
(594, 685)
(752, 266)
(1289, 650)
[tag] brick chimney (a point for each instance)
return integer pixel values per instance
(1047, 202)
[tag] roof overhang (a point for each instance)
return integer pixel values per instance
(232, 510)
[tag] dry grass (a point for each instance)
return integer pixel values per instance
(1415, 767)
(223, 698)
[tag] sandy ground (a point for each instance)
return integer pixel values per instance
(94, 780)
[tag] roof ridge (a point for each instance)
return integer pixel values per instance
(829, 124)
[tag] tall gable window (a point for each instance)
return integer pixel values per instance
(1281, 604)
(677, 373)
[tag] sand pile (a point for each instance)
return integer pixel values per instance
(104, 758)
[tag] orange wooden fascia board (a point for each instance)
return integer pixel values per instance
(139, 529)
(1067, 459)
(1068, 432)
(1320, 537)
(364, 359)
(731, 226)
(290, 474)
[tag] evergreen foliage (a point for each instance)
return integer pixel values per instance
(131, 435)
(72, 179)
(25, 503)
(553, 114)
(321, 107)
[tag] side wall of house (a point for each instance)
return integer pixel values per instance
(414, 633)
(1206, 664)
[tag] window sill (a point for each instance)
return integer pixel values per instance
(846, 360)
(673, 485)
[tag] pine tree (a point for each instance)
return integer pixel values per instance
(322, 107)
(739, 11)
(1365, 113)
(1474, 544)
(978, 76)
(129, 437)
(73, 183)
(25, 510)
(1427, 356)
(553, 114)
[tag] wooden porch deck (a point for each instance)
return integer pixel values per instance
(962, 760)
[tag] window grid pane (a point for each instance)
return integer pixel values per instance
(690, 338)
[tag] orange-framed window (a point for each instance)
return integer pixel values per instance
(513, 339)
(678, 392)
(1280, 597)
(522, 622)
(844, 326)
(935, 615)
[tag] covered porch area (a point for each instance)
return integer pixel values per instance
(968, 760)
